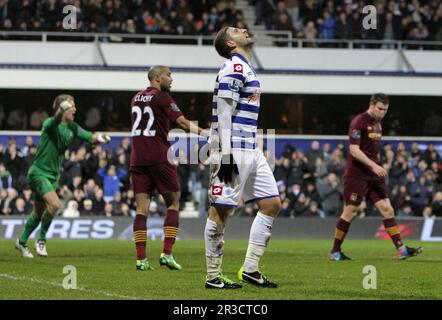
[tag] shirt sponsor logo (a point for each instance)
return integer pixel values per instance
(356, 134)
(375, 136)
(217, 190)
(237, 68)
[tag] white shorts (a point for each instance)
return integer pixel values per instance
(254, 182)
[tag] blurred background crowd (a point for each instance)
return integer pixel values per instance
(96, 181)
(308, 19)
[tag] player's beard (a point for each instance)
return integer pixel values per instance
(165, 88)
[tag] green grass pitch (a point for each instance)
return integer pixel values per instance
(106, 270)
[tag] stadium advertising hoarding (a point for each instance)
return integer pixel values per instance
(284, 228)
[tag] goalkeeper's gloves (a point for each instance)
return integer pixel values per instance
(227, 168)
(103, 138)
(66, 104)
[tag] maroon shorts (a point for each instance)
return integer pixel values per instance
(356, 189)
(163, 177)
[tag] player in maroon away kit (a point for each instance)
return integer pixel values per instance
(364, 176)
(153, 112)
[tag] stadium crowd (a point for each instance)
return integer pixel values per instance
(342, 19)
(308, 19)
(95, 181)
(173, 17)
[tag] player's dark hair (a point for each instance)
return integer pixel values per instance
(155, 70)
(379, 97)
(59, 99)
(220, 43)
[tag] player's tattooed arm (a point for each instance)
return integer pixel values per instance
(191, 126)
(357, 153)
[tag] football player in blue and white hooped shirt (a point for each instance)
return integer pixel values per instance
(238, 168)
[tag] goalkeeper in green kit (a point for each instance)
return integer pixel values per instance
(56, 136)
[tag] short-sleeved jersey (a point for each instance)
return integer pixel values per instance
(54, 140)
(152, 114)
(237, 80)
(366, 132)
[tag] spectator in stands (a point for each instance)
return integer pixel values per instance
(99, 202)
(436, 205)
(311, 33)
(314, 211)
(286, 209)
(3, 196)
(331, 192)
(9, 201)
(420, 194)
(301, 205)
(89, 188)
(343, 27)
(93, 118)
(406, 211)
(72, 210)
(25, 150)
(298, 168)
(21, 207)
(337, 162)
(111, 181)
(5, 177)
(108, 209)
(427, 212)
(327, 26)
(87, 208)
(37, 117)
(17, 119)
(27, 195)
(13, 162)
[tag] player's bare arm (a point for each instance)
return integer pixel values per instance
(356, 153)
(190, 126)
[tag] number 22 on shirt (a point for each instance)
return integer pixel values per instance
(139, 113)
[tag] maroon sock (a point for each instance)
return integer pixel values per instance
(340, 232)
(393, 231)
(140, 235)
(170, 228)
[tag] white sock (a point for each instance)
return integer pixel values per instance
(214, 237)
(260, 233)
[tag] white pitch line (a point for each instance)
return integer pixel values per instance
(55, 284)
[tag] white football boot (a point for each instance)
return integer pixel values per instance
(24, 249)
(40, 248)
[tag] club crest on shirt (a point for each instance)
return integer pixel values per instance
(354, 196)
(237, 67)
(356, 134)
